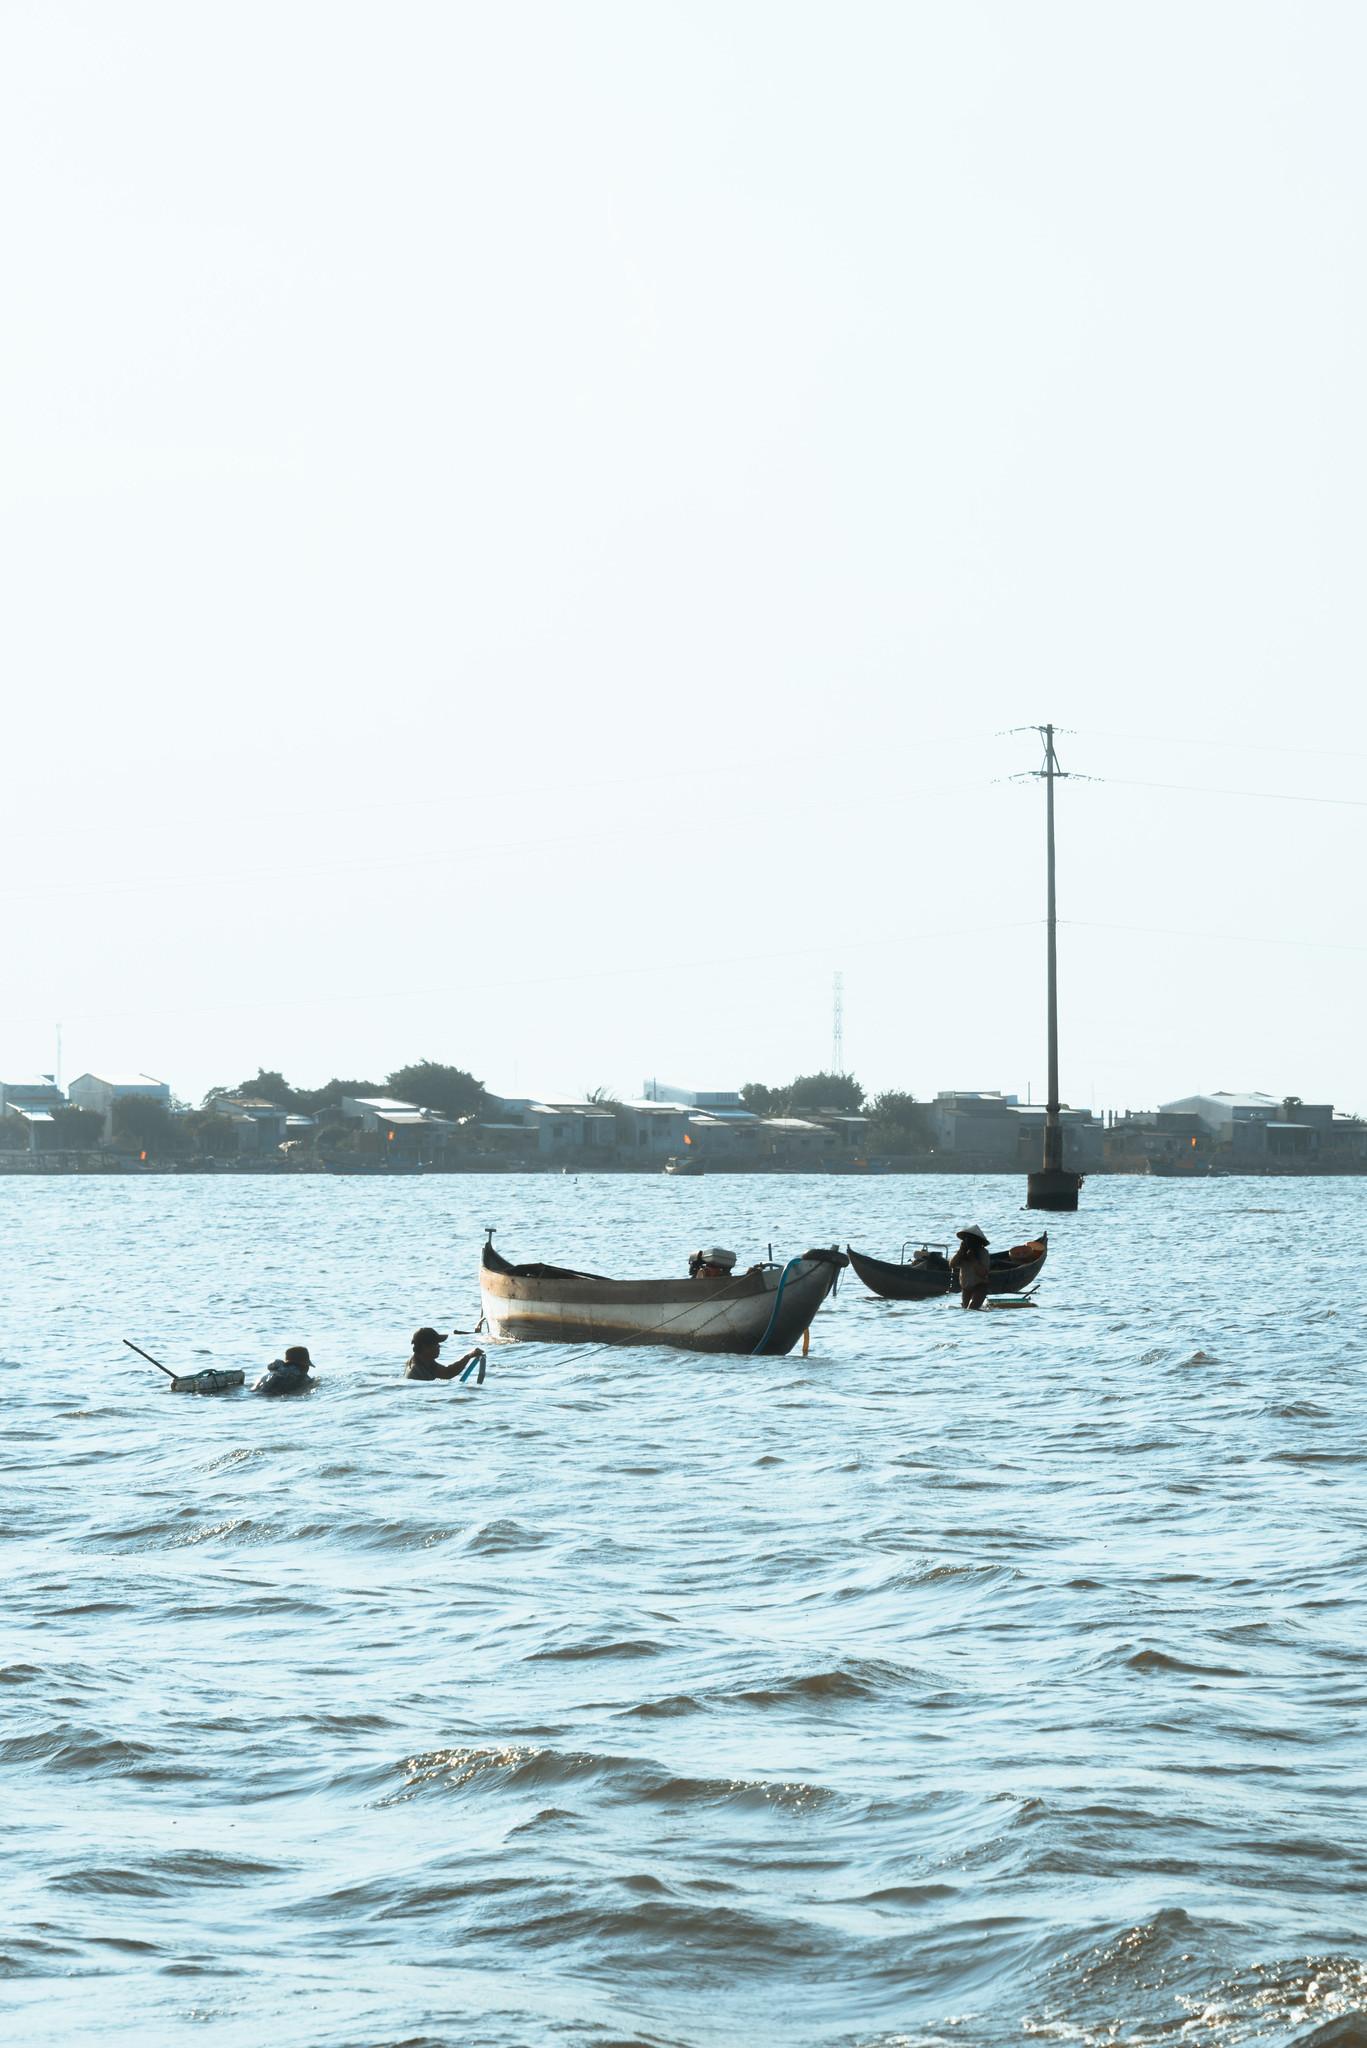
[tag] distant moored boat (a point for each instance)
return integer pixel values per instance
(926, 1274)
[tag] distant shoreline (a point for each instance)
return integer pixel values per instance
(26, 1167)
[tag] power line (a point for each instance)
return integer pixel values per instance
(1221, 746)
(1272, 796)
(1164, 931)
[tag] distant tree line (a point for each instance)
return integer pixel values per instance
(898, 1123)
(448, 1091)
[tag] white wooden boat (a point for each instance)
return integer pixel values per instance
(763, 1311)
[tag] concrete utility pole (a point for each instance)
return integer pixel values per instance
(1054, 1187)
(838, 1026)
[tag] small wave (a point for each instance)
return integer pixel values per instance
(236, 1528)
(871, 1679)
(548, 1817)
(230, 1459)
(1350, 1456)
(1161, 1660)
(499, 1536)
(28, 1956)
(161, 1878)
(595, 1646)
(663, 1710)
(521, 1768)
(74, 1749)
(375, 1535)
(904, 1895)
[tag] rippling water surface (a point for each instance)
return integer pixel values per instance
(975, 1679)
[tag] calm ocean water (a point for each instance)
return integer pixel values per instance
(978, 1679)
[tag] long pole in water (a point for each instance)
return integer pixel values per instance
(1053, 1130)
(150, 1360)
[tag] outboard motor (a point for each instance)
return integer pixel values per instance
(716, 1263)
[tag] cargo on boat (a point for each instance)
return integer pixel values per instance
(762, 1311)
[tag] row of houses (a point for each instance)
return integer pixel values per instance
(713, 1127)
(962, 1130)
(37, 1100)
(1235, 1133)
(980, 1130)
(985, 1132)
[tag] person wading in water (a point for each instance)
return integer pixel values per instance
(425, 1364)
(292, 1374)
(971, 1266)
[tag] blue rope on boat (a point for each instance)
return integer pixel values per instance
(778, 1303)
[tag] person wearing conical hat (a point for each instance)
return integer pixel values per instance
(971, 1266)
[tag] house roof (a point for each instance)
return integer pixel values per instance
(136, 1081)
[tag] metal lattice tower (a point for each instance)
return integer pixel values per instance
(838, 1025)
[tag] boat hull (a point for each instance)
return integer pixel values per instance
(551, 1305)
(919, 1283)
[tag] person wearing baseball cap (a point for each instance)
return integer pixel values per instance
(426, 1364)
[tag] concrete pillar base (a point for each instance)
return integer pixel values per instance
(1053, 1187)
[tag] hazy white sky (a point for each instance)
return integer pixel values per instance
(522, 525)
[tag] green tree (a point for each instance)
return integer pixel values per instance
(333, 1135)
(213, 1137)
(267, 1085)
(763, 1101)
(13, 1134)
(310, 1101)
(144, 1124)
(840, 1092)
(77, 1130)
(900, 1123)
(450, 1091)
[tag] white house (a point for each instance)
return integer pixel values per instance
(36, 1091)
(100, 1092)
(414, 1132)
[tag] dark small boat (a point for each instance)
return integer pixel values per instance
(926, 1275)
